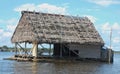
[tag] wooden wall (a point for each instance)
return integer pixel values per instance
(87, 51)
(84, 51)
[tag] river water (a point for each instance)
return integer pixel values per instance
(89, 67)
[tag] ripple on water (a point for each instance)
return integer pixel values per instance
(13, 67)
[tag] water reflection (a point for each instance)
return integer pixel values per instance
(13, 67)
(34, 68)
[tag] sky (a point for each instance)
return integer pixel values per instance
(105, 14)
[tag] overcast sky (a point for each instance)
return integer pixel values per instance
(105, 14)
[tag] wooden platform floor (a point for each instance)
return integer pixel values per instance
(49, 59)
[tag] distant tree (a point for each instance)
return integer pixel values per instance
(4, 47)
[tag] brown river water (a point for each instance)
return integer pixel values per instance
(88, 67)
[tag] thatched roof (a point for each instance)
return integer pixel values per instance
(55, 28)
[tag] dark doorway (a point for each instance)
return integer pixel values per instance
(58, 48)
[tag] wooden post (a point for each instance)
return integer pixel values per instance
(110, 57)
(110, 38)
(69, 52)
(109, 51)
(25, 48)
(35, 49)
(25, 45)
(50, 50)
(15, 48)
(61, 39)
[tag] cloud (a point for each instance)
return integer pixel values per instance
(105, 2)
(52, 8)
(7, 34)
(4, 35)
(119, 32)
(1, 31)
(116, 40)
(116, 26)
(107, 27)
(105, 30)
(9, 25)
(92, 18)
(11, 21)
(30, 7)
(45, 7)
(7, 31)
(11, 28)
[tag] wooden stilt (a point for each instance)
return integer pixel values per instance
(50, 50)
(69, 52)
(109, 51)
(25, 45)
(61, 31)
(111, 38)
(61, 50)
(35, 50)
(110, 55)
(25, 48)
(16, 48)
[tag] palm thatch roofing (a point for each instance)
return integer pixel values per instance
(54, 28)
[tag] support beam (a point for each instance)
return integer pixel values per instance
(16, 48)
(25, 45)
(35, 50)
(25, 48)
(50, 50)
(60, 49)
(69, 52)
(22, 49)
(20, 46)
(42, 46)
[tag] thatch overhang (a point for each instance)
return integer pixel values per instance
(54, 28)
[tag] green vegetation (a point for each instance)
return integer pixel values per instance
(117, 52)
(6, 49)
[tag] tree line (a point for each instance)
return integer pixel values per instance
(6, 48)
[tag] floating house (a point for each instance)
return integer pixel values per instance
(71, 36)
